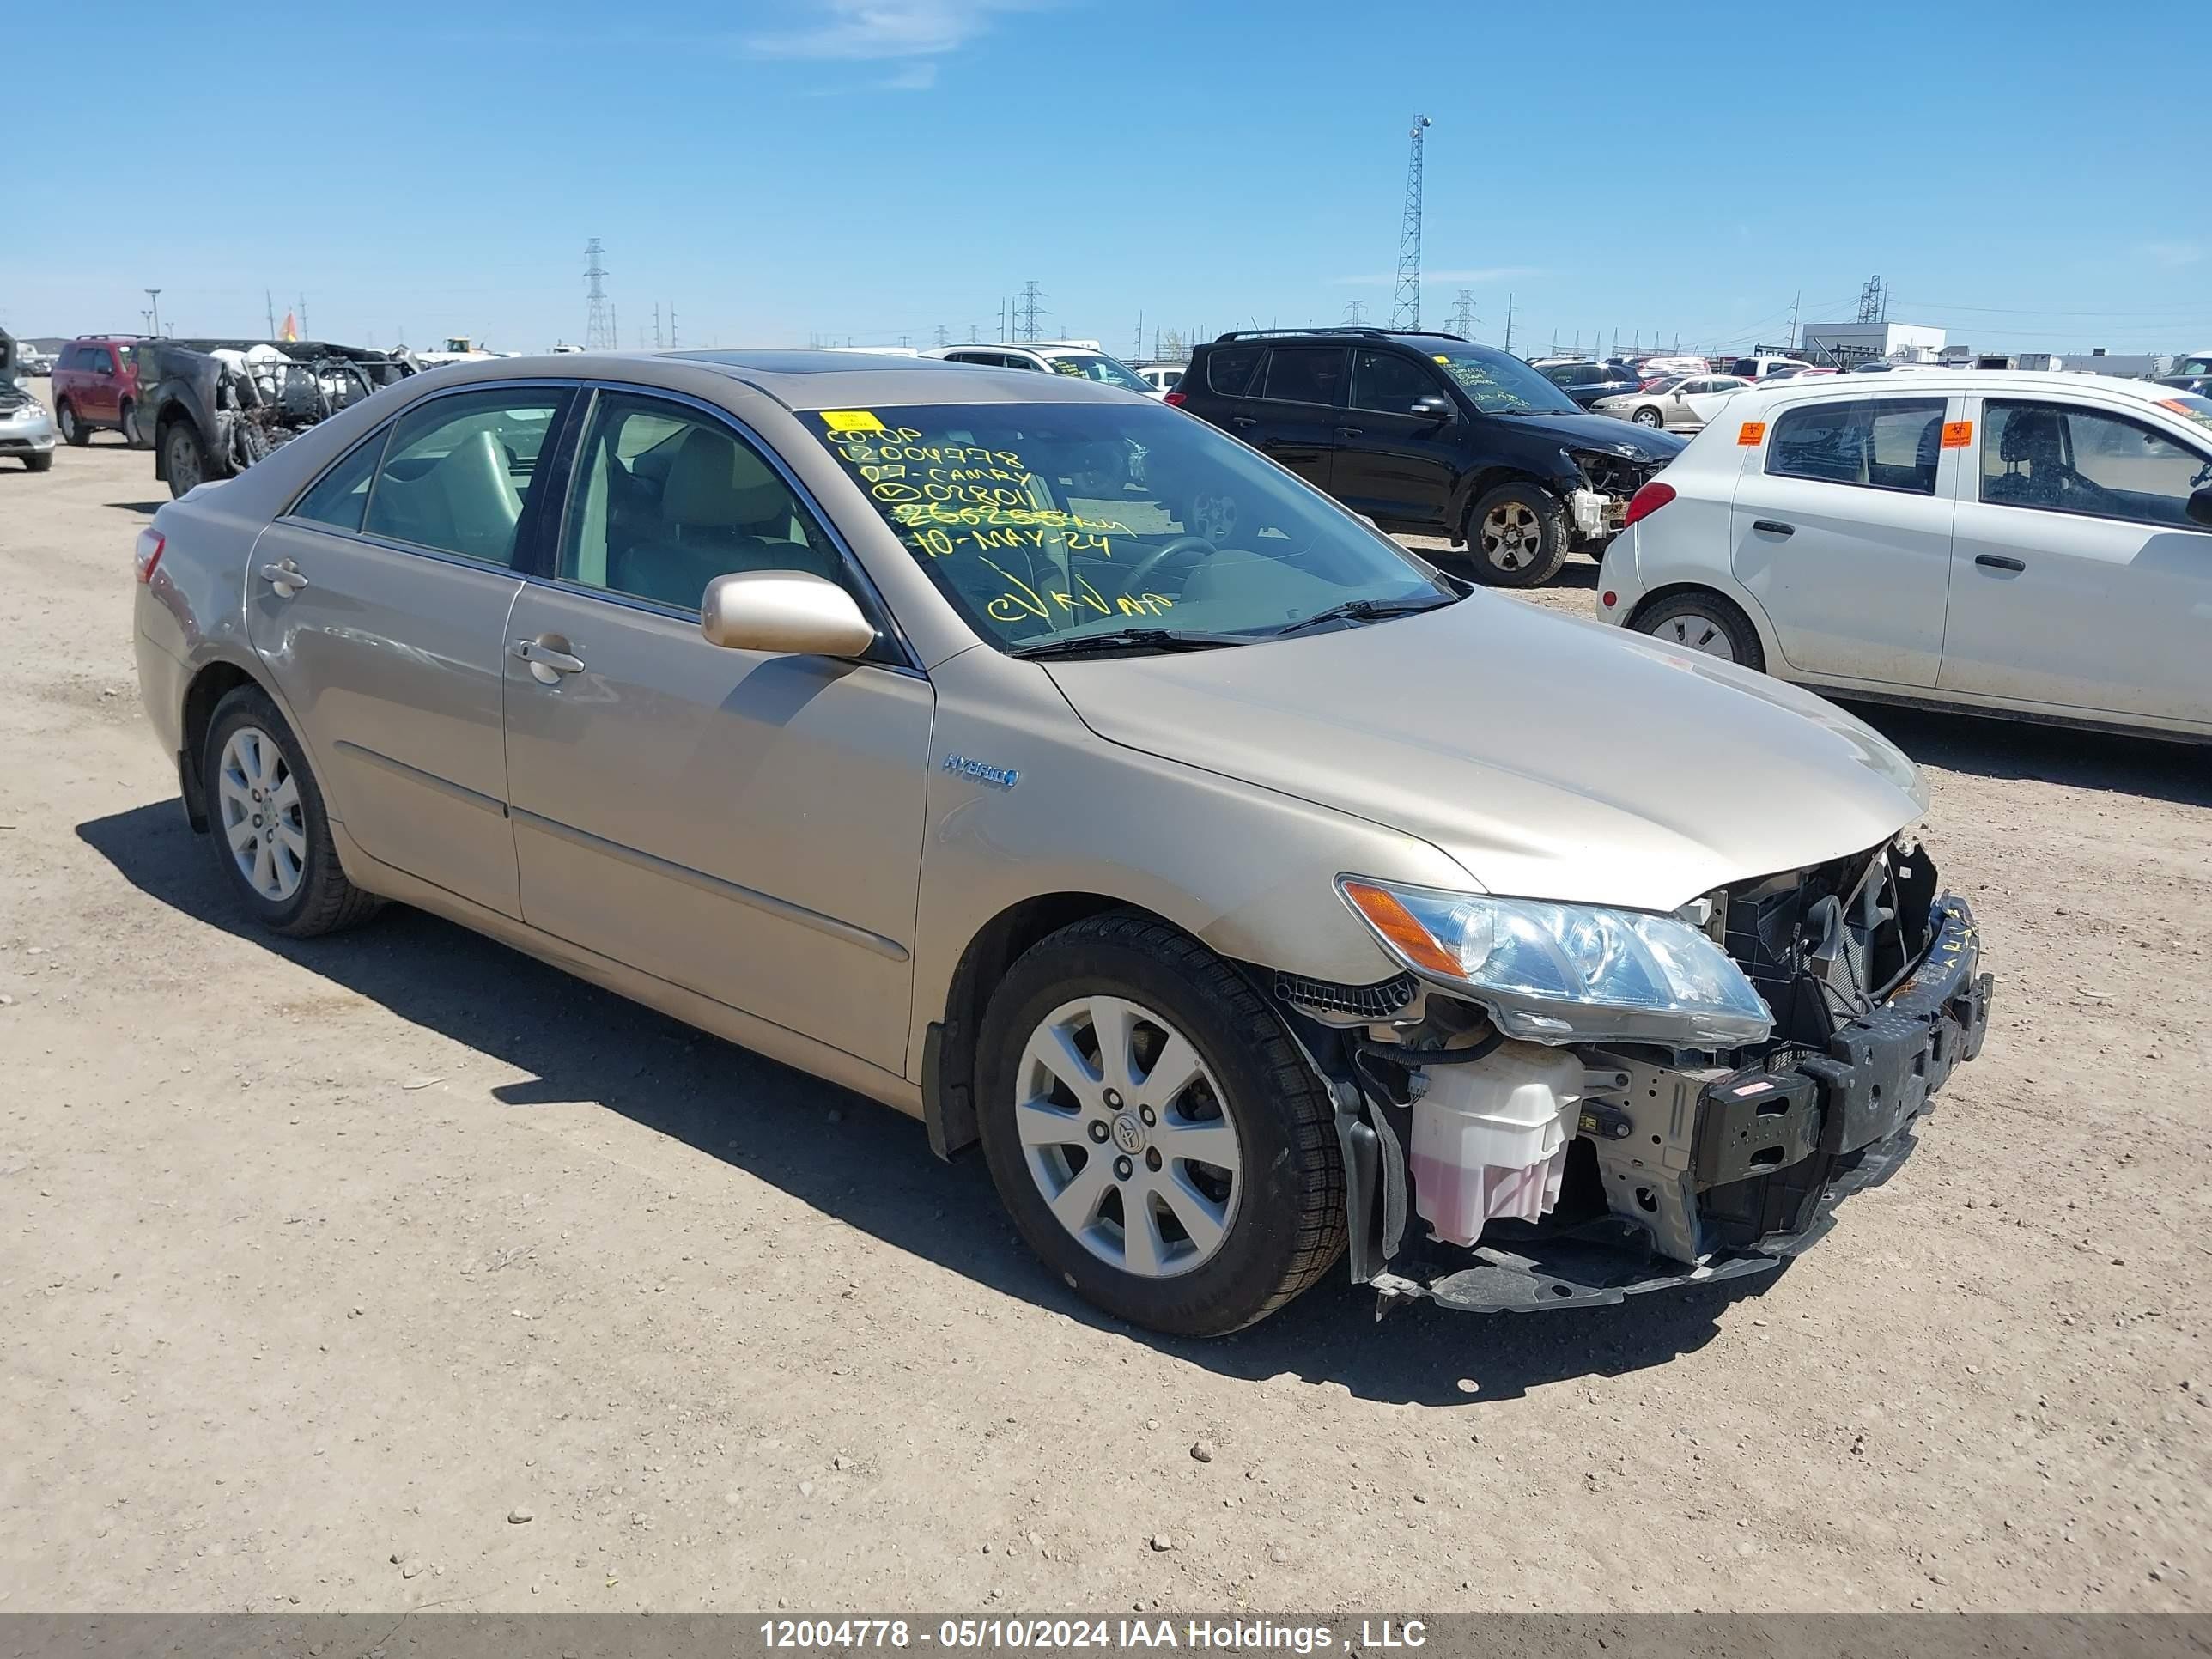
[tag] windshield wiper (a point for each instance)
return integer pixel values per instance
(1129, 639)
(1365, 610)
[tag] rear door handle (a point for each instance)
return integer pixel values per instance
(1352, 432)
(1774, 526)
(285, 578)
(1998, 562)
(548, 663)
(1242, 420)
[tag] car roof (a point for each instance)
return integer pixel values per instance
(801, 379)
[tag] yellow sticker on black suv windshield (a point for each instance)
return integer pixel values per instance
(850, 420)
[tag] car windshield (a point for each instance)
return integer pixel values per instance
(2193, 365)
(1042, 522)
(1499, 385)
(1090, 366)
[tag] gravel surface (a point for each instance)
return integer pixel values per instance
(396, 1270)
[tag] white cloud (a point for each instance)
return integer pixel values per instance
(1479, 274)
(873, 30)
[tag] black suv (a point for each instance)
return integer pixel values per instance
(1429, 435)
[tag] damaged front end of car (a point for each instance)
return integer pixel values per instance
(1560, 1105)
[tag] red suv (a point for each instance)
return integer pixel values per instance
(96, 384)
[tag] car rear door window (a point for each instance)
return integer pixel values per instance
(668, 497)
(457, 472)
(1229, 370)
(338, 497)
(1873, 443)
(1306, 374)
(2057, 458)
(1388, 383)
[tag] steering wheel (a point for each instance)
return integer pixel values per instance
(1142, 570)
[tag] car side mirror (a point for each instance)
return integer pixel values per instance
(789, 612)
(2200, 506)
(1433, 407)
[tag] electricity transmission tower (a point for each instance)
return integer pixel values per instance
(599, 322)
(942, 337)
(1353, 310)
(1027, 313)
(1873, 301)
(1406, 312)
(1463, 314)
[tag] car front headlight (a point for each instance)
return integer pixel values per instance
(1568, 973)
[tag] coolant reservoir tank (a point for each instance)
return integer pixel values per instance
(1490, 1136)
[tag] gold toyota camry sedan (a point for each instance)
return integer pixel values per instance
(1049, 765)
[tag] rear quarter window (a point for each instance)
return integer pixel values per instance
(1873, 443)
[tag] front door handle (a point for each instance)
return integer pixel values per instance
(1774, 526)
(1352, 432)
(1998, 562)
(547, 662)
(285, 578)
(1242, 420)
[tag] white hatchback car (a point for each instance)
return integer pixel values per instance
(2031, 545)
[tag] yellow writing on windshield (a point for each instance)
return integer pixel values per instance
(1022, 601)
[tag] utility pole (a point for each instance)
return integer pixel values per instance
(303, 319)
(672, 325)
(1406, 313)
(1794, 298)
(269, 301)
(1140, 332)
(1025, 318)
(1352, 308)
(1509, 323)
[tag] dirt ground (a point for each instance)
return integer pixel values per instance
(397, 1271)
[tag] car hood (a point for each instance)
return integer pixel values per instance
(1553, 758)
(1601, 433)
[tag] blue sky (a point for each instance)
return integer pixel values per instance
(779, 169)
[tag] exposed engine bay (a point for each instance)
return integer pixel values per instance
(1493, 1173)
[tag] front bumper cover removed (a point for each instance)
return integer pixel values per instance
(1779, 1145)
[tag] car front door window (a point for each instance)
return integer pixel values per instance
(667, 498)
(1389, 384)
(2059, 457)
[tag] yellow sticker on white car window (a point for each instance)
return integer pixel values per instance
(850, 420)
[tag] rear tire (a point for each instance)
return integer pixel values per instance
(1517, 535)
(270, 830)
(182, 459)
(1704, 623)
(43, 463)
(73, 432)
(1264, 1224)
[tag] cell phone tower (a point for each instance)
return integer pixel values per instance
(599, 320)
(1406, 312)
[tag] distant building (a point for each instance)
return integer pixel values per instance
(1866, 342)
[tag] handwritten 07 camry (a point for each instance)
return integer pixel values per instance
(1047, 764)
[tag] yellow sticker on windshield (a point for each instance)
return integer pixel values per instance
(1442, 358)
(850, 420)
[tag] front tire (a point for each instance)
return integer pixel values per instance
(1517, 535)
(270, 828)
(42, 462)
(132, 438)
(1705, 623)
(1157, 1137)
(1648, 416)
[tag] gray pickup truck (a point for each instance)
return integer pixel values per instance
(218, 406)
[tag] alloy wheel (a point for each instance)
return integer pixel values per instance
(1123, 1129)
(262, 818)
(1648, 418)
(1511, 536)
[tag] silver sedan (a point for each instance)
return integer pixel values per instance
(26, 431)
(1683, 403)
